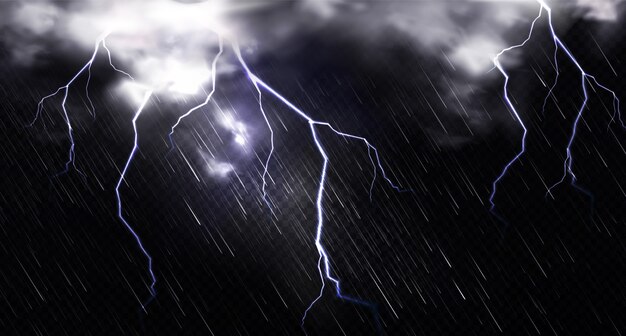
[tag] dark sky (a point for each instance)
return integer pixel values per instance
(435, 261)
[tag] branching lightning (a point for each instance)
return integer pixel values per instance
(587, 82)
(66, 88)
(72, 156)
(323, 264)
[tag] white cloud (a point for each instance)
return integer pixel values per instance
(168, 45)
(604, 10)
(36, 18)
(167, 41)
(164, 44)
(475, 55)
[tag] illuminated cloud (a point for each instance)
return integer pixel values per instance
(168, 45)
(215, 168)
(237, 128)
(604, 10)
(164, 44)
(167, 42)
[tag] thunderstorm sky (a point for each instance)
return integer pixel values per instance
(415, 78)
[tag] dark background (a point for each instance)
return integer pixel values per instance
(435, 261)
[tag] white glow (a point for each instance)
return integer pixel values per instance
(165, 45)
(230, 123)
(240, 139)
(218, 168)
(238, 129)
(171, 74)
(475, 55)
(133, 91)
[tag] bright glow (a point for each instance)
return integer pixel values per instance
(475, 55)
(218, 168)
(133, 91)
(174, 75)
(240, 139)
(237, 128)
(230, 123)
(164, 42)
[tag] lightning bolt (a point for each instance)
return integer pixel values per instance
(120, 214)
(101, 41)
(323, 264)
(587, 82)
(71, 161)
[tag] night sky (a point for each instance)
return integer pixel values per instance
(433, 261)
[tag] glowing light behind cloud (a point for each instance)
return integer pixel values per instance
(217, 168)
(237, 128)
(168, 42)
(168, 45)
(164, 44)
